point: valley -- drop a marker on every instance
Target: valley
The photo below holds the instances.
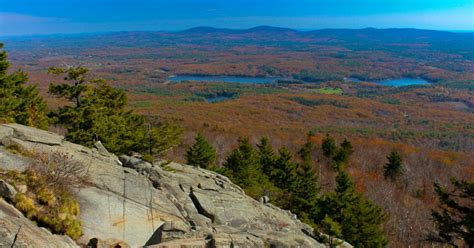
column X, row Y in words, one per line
column 407, row 90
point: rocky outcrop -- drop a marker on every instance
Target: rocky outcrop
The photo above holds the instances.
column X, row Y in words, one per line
column 18, row 231
column 7, row 191
column 162, row 204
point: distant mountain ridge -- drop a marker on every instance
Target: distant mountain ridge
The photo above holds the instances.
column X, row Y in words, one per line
column 273, row 29
column 392, row 39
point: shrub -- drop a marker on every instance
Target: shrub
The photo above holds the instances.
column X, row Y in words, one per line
column 49, row 201
column 26, row 205
column 58, row 170
column 16, row 149
column 46, row 196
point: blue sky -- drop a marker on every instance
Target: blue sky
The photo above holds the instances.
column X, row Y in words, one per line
column 27, row 17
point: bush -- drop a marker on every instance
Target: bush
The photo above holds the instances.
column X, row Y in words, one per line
column 59, row 170
column 51, row 180
column 26, row 205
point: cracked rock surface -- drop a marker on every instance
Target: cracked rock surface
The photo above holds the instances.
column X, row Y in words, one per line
column 161, row 204
column 18, row 231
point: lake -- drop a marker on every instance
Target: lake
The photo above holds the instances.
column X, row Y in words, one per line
column 225, row 79
column 266, row 80
column 394, row 82
column 403, row 82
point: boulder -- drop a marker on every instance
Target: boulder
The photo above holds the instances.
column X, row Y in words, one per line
column 135, row 163
column 22, row 188
column 5, row 132
column 264, row 199
column 98, row 243
column 101, row 148
column 35, row 135
column 7, row 191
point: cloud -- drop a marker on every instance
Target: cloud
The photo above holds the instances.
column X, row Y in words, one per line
column 20, row 24
column 15, row 18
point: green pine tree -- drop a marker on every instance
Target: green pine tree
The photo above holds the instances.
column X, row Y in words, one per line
column 160, row 138
column 97, row 112
column 306, row 152
column 201, row 153
column 341, row 156
column 243, row 163
column 328, row 146
column 266, row 156
column 19, row 103
column 244, row 168
column 346, row 145
column 283, row 176
column 331, row 229
column 455, row 217
column 305, row 189
column 283, row 173
column 361, row 220
column 394, row 167
column 77, row 76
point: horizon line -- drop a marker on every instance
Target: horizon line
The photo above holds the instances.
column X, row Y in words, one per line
column 223, row 28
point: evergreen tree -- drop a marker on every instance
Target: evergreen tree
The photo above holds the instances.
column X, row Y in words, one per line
column 98, row 112
column 306, row 152
column 347, row 147
column 283, row 176
column 331, row 230
column 361, row 220
column 328, row 146
column 283, row 173
column 243, row 163
column 266, row 156
column 243, row 167
column 305, row 189
column 19, row 103
column 75, row 75
column 394, row 167
column 201, row 153
column 161, row 138
column 455, row 218
column 341, row 155
column 344, row 183
column 305, row 186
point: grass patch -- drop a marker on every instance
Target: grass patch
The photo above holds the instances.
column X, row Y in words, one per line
column 49, row 199
column 17, row 149
column 328, row 91
column 141, row 104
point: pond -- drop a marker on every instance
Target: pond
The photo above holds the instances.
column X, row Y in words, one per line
column 403, row 82
column 393, row 82
column 225, row 79
column 266, row 80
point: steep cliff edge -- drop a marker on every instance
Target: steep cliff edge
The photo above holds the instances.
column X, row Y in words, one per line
column 159, row 205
